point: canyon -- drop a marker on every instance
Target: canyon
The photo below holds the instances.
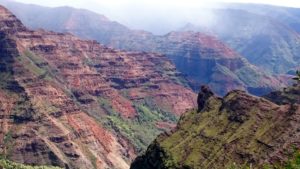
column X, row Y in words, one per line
column 75, row 103
column 202, row 57
column 80, row 91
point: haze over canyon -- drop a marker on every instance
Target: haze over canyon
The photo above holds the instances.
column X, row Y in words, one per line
column 216, row 87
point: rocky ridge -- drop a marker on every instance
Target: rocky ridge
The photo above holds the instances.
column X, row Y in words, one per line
column 238, row 129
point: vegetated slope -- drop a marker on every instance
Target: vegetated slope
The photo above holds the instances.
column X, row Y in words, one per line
column 238, row 129
column 5, row 164
column 265, row 41
column 203, row 59
column 75, row 103
column 290, row 95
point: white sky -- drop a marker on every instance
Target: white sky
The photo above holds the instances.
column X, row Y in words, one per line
column 114, row 3
column 172, row 13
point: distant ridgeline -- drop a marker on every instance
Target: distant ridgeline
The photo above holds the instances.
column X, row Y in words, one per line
column 240, row 51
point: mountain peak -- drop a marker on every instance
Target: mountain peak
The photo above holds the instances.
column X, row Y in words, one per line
column 9, row 22
column 205, row 43
column 4, row 10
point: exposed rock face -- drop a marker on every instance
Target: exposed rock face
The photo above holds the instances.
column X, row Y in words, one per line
column 71, row 103
column 202, row 58
column 239, row 128
column 203, row 96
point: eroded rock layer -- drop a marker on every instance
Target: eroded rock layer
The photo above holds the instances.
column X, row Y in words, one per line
column 78, row 104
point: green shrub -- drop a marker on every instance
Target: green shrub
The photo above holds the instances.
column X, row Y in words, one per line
column 293, row 163
column 5, row 164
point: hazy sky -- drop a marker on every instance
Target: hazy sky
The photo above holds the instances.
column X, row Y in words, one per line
column 172, row 13
column 114, row 3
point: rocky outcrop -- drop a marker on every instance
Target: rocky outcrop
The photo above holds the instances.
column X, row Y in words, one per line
column 75, row 103
column 204, row 94
column 238, row 129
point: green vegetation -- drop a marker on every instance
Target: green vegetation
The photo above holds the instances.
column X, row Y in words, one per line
column 235, row 166
column 249, row 76
column 30, row 64
column 293, row 163
column 8, row 137
column 5, row 164
column 36, row 65
column 23, row 111
column 132, row 130
column 5, row 78
column 210, row 138
column 187, row 143
column 147, row 117
column 8, row 144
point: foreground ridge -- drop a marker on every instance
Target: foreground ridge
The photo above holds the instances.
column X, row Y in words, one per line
column 237, row 129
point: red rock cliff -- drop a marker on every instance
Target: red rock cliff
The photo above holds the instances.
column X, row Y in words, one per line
column 60, row 97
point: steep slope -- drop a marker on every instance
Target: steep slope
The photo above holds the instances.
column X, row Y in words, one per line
column 203, row 59
column 77, row 104
column 237, row 129
column 265, row 41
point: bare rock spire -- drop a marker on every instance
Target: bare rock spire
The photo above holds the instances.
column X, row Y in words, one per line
column 204, row 94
